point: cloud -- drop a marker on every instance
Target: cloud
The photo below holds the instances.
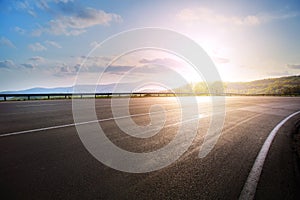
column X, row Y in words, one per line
column 37, row 47
column 94, row 63
column 137, row 71
column 66, row 70
column 7, row 64
column 97, row 58
column 293, row 66
column 63, row 1
column 42, row 4
column 37, row 59
column 159, row 65
column 29, row 65
column 25, row 6
column 10, row 64
column 118, row 69
column 151, row 69
column 211, row 16
column 78, row 22
column 53, row 44
column 19, row 30
column 159, row 61
column 6, row 42
column 32, row 13
column 168, row 62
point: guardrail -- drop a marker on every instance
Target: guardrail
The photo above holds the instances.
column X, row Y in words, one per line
column 5, row 97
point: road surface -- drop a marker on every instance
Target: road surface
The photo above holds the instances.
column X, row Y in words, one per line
column 42, row 156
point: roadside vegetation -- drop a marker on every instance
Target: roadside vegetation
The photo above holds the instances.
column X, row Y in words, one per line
column 283, row 86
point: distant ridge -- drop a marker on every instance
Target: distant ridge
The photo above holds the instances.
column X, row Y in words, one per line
column 105, row 88
column 40, row 90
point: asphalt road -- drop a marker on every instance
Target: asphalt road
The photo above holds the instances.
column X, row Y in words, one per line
column 46, row 159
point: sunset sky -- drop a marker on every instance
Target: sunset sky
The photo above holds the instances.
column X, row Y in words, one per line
column 43, row 42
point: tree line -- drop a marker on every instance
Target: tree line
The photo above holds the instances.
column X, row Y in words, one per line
column 273, row 86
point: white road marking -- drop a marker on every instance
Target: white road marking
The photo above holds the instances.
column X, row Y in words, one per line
column 35, row 105
column 102, row 120
column 77, row 124
column 59, row 109
column 248, row 192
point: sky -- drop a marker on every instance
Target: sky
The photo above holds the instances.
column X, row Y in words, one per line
column 44, row 43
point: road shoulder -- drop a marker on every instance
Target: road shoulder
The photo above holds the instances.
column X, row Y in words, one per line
column 280, row 177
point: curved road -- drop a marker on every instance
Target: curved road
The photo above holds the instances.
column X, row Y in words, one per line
column 42, row 156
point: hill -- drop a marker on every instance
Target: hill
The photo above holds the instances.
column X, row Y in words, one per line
column 104, row 88
column 279, row 86
column 273, row 86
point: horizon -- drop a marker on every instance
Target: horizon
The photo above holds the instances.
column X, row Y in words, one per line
column 40, row 40
column 153, row 88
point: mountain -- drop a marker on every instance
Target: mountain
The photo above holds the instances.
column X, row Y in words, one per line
column 104, row 88
column 39, row 90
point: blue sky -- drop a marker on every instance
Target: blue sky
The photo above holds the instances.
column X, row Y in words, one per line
column 43, row 42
